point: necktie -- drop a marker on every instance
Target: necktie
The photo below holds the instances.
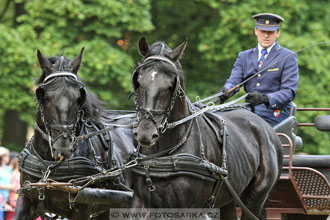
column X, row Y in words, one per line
column 262, row 58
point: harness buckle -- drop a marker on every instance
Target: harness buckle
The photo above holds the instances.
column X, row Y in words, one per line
column 46, row 174
column 131, row 163
column 148, row 179
column 152, row 188
column 163, row 126
column 41, row 197
column 211, row 202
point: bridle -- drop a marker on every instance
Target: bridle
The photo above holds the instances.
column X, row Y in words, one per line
column 148, row 113
column 65, row 130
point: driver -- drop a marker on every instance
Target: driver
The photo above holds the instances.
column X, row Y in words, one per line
column 272, row 90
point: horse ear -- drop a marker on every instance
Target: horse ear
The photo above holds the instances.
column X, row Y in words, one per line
column 44, row 63
column 177, row 53
column 75, row 64
column 143, row 47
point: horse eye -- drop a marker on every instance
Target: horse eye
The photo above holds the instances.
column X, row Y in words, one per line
column 170, row 88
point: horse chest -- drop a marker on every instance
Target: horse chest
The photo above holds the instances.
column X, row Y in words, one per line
column 179, row 192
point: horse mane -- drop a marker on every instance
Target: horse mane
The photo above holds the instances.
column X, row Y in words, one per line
column 94, row 108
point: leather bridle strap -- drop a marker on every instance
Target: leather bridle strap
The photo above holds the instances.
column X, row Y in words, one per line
column 162, row 58
column 170, row 150
column 149, row 113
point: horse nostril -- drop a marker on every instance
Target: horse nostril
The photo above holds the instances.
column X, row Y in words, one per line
column 135, row 134
column 155, row 136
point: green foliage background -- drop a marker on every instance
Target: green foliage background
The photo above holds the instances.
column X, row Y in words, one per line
column 109, row 30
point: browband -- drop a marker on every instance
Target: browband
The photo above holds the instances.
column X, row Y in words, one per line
column 162, row 59
column 57, row 74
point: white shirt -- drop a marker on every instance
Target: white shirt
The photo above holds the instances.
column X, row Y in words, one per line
column 268, row 50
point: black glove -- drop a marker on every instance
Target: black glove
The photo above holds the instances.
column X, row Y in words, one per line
column 257, row 98
column 225, row 95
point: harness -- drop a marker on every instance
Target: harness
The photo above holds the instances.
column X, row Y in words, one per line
column 166, row 164
column 74, row 175
column 78, row 171
column 31, row 163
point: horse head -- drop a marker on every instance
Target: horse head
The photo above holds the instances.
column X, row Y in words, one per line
column 157, row 82
column 60, row 95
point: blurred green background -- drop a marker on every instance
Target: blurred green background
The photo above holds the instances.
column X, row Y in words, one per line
column 110, row 29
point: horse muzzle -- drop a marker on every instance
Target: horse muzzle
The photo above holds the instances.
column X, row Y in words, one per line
column 146, row 134
column 63, row 149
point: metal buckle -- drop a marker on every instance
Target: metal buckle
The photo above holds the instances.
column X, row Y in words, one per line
column 163, row 126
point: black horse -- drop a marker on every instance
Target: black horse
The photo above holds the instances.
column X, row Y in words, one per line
column 178, row 146
column 67, row 110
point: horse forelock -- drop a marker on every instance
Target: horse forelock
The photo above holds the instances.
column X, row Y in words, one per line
column 162, row 49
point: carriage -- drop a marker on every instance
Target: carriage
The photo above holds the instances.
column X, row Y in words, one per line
column 303, row 191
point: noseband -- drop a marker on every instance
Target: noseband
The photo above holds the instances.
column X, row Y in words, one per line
column 66, row 130
column 147, row 113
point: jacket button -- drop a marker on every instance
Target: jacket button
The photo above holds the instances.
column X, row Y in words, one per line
column 259, row 75
column 258, row 84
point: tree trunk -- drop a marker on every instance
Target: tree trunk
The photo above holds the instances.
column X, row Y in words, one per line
column 14, row 131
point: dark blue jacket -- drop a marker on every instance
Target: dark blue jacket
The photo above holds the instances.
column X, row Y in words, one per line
column 279, row 81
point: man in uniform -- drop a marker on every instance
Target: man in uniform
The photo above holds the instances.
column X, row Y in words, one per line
column 272, row 90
